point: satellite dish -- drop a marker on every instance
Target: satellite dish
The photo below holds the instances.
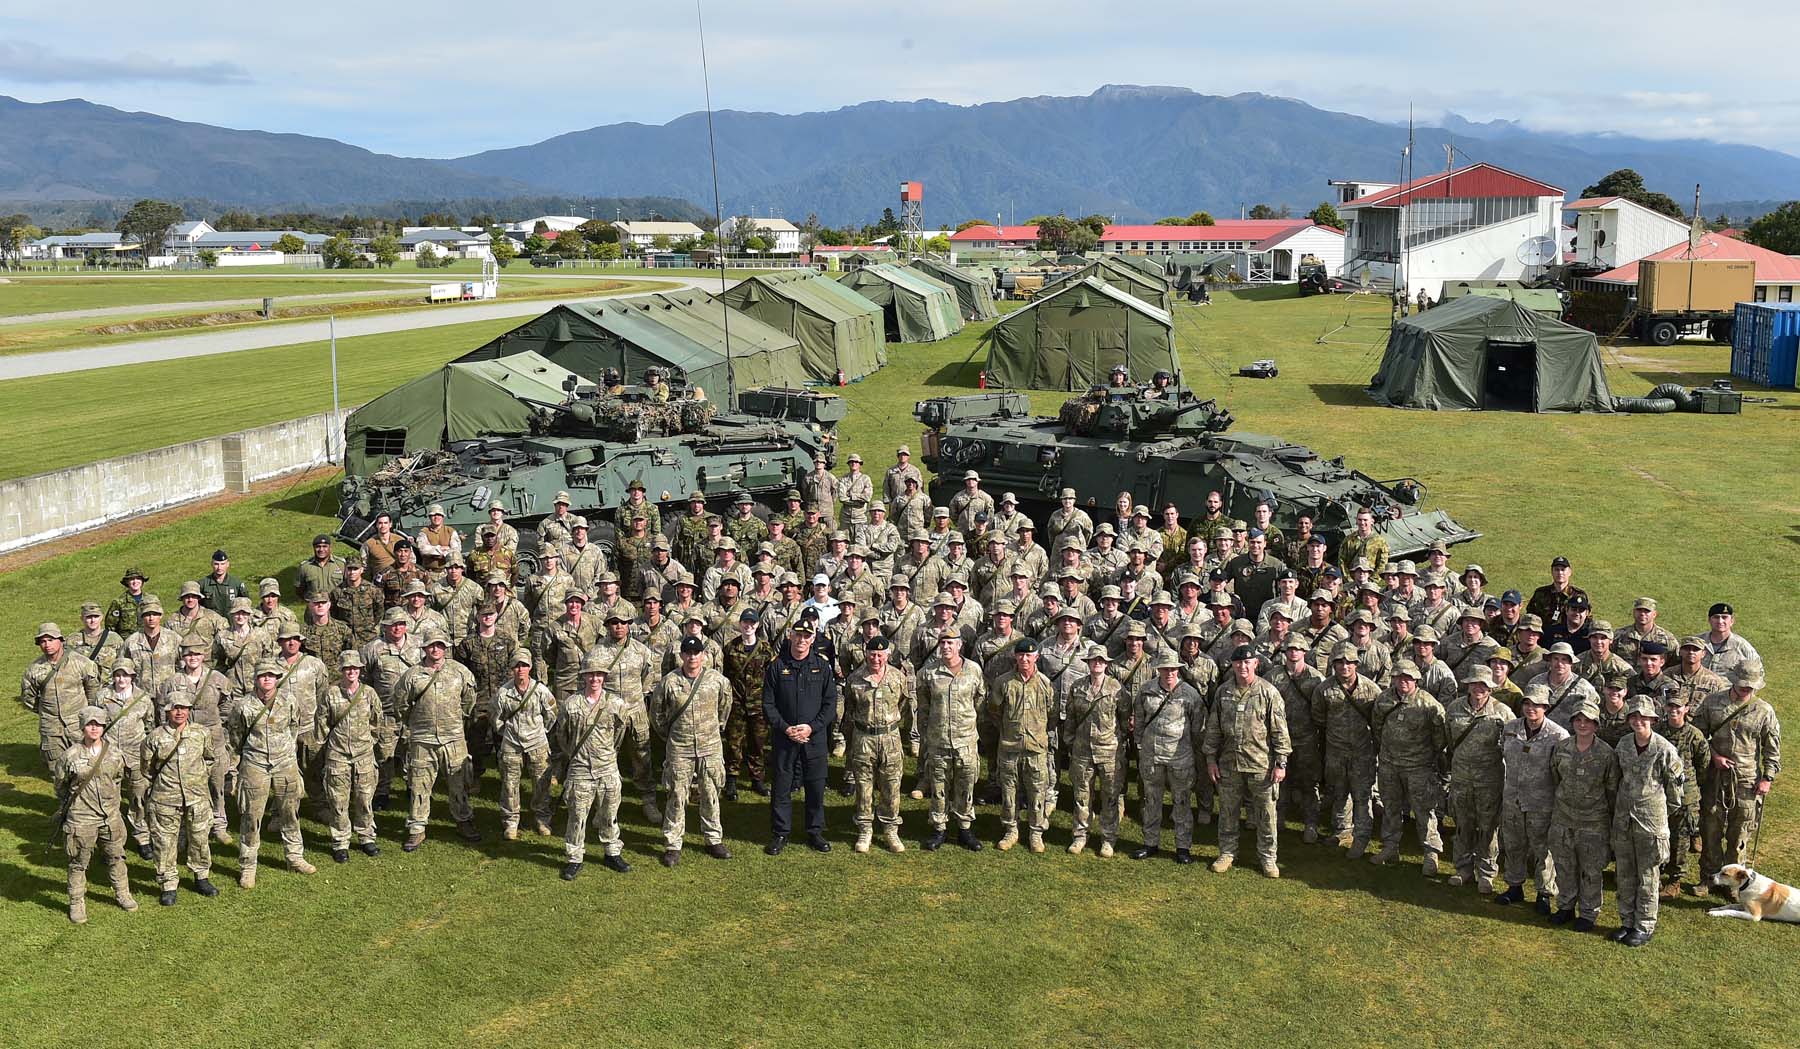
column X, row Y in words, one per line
column 1538, row 251
column 1696, row 233
column 1599, row 238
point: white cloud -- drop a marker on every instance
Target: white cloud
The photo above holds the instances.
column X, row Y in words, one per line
column 30, row 63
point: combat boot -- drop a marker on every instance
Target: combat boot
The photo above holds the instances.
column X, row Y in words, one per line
column 414, row 839
column 247, row 878
column 1035, row 842
column 1222, row 864
column 934, row 842
column 124, row 898
column 1270, row 870
column 1077, row 845
column 757, row 786
column 863, row 837
column 369, row 848
column 166, row 898
column 967, row 839
column 1670, row 891
column 205, row 887
column 1387, row 855
column 543, row 827
column 510, row 833
column 891, row 839
column 467, row 830
column 1513, row 894
column 616, row 863
column 1358, row 846
column 299, row 866
column 1310, row 835
column 652, row 813
column 1106, row 850
column 1431, row 864
column 1485, row 886
column 78, row 910
column 222, row 836
column 731, row 788
column 570, row 871
column 340, row 855
column 1455, row 880
column 1008, row 840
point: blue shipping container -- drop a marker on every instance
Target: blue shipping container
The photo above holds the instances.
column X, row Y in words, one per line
column 1765, row 342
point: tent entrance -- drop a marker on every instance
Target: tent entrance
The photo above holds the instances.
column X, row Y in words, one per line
column 1510, row 381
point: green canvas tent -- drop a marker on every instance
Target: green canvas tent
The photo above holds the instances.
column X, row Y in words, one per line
column 1547, row 301
column 1143, row 263
column 837, row 329
column 458, row 402
column 589, row 337
column 1478, row 352
column 1070, row 337
column 760, row 355
column 1110, row 269
column 974, row 288
column 914, row 308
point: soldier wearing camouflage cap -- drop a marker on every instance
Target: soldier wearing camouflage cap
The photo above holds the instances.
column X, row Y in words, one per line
column 130, row 715
column 1411, row 739
column 55, row 687
column 349, row 720
column 1586, row 773
column 178, row 756
column 525, row 710
column 264, row 727
column 432, row 700
column 1745, row 737
column 1344, row 703
column 87, row 781
column 153, row 648
column 1165, row 714
column 1649, row 788
column 1246, row 747
column 1475, row 723
column 1528, row 798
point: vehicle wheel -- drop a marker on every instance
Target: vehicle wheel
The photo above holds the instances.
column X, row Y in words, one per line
column 1663, row 333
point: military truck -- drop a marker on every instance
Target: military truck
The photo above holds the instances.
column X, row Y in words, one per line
column 1173, row 448
column 594, row 446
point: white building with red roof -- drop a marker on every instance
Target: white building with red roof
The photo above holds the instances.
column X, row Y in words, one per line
column 1267, row 249
column 1612, row 231
column 1470, row 223
column 1021, row 238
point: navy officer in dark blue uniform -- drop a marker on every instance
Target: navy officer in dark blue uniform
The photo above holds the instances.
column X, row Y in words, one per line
column 799, row 702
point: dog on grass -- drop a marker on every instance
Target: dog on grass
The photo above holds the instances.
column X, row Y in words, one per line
column 1758, row 897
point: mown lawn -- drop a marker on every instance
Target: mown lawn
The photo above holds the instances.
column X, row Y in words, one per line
column 483, row 944
column 24, row 295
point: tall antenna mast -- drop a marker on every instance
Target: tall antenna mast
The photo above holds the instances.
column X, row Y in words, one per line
column 712, row 150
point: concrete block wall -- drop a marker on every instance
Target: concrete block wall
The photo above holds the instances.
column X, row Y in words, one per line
column 52, row 505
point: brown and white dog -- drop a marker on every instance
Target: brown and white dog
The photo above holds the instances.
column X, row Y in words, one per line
column 1758, row 897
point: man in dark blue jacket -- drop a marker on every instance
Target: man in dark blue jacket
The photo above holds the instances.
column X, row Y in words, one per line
column 799, row 702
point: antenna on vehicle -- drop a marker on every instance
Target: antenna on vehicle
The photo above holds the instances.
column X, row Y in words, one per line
column 712, row 150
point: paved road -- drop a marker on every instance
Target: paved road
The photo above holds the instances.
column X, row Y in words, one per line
column 20, row 366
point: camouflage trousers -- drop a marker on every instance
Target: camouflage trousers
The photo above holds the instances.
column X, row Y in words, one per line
column 1525, row 848
column 591, row 798
column 1121, row 771
column 515, row 764
column 349, row 798
column 1175, row 778
column 681, row 773
column 1727, row 823
column 425, row 762
column 1022, row 776
column 746, row 740
column 1086, row 768
column 954, row 770
column 1239, row 791
column 876, row 760
column 53, row 745
column 1350, row 782
column 1300, row 790
column 258, row 788
column 1475, row 806
column 1638, row 858
column 132, row 789
column 635, row 741
column 1411, row 791
column 1684, row 823
column 215, row 775
column 81, row 842
column 167, row 825
column 1580, row 854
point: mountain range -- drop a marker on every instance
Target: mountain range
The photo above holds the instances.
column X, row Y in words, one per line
column 1136, row 153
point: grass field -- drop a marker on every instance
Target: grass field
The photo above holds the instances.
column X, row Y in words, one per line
column 482, row 944
column 26, row 295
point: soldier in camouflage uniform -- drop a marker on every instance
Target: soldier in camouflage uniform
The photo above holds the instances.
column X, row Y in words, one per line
column 1020, row 704
column 1684, row 819
column 745, row 657
column 952, row 693
column 55, row 688
column 1586, row 774
column 87, row 789
column 485, row 653
column 323, row 636
column 560, row 644
column 1090, row 714
column 589, row 729
column 1343, row 706
column 631, row 673
column 1528, row 799
column 690, row 708
column 208, row 696
column 1475, row 725
column 636, row 503
column 1246, row 747
column 263, row 725
column 1296, row 680
column 153, row 649
column 693, row 541
column 96, row 641
column 178, row 757
column 122, row 613
column 1363, row 543
column 633, row 553
column 1649, row 789
column 191, row 618
column 814, row 539
column 744, row 527
column 875, row 694
column 1164, row 716
column 432, row 700
column 348, row 721
column 1745, row 739
column 455, row 596
column 386, row 660
column 526, row 712
column 130, row 715
column 357, row 603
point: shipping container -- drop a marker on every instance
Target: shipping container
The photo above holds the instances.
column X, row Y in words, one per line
column 1694, row 285
column 1765, row 342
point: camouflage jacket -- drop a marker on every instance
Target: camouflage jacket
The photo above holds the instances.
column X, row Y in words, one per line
column 1585, row 784
column 178, row 762
column 359, row 608
column 1528, row 784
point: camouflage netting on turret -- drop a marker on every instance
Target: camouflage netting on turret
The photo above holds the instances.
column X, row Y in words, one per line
column 633, row 421
column 1080, row 416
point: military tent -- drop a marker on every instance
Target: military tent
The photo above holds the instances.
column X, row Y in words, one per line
column 458, row 402
column 1477, row 353
column 1547, row 301
column 914, row 308
column 974, row 288
column 1070, row 337
column 631, row 334
column 1129, row 278
column 837, row 329
column 760, row 355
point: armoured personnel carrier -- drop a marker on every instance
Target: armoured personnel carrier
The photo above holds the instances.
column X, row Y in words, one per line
column 594, row 447
column 1173, row 448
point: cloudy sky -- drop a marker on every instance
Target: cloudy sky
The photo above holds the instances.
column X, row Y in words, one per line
column 452, row 77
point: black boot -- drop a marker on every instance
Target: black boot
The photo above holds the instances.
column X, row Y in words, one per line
column 1183, row 856
column 369, row 848
column 1513, row 894
column 1583, row 925
column 570, row 870
column 1543, row 905
column 967, row 839
column 1144, row 852
column 340, row 855
column 730, row 788
column 205, row 887
column 1637, row 938
column 935, row 842
column 758, row 786
column 615, row 863
column 775, row 845
column 1563, row 917
column 167, row 899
